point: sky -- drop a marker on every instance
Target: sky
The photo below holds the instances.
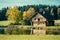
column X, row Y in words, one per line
column 11, row 3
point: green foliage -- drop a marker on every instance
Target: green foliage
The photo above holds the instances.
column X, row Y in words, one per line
column 53, row 30
column 1, row 31
column 22, row 29
column 11, row 30
column 16, row 30
column 58, row 11
column 51, row 12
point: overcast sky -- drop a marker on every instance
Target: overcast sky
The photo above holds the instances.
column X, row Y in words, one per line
column 11, row 3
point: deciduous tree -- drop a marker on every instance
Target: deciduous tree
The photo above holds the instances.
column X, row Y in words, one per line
column 14, row 15
column 29, row 13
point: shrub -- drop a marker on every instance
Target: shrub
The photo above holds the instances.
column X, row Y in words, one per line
column 16, row 30
column 52, row 30
column 1, row 31
column 27, row 31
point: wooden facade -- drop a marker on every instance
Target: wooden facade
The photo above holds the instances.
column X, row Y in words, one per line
column 39, row 22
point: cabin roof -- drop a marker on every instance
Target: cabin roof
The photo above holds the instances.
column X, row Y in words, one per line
column 34, row 15
column 48, row 17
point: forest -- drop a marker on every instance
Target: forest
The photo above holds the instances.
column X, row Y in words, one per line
column 50, row 12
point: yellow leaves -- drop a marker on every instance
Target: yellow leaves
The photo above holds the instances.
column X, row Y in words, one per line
column 31, row 10
column 15, row 8
column 27, row 14
column 24, row 14
column 13, row 14
column 8, row 11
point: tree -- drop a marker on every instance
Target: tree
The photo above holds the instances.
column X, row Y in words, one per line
column 58, row 13
column 29, row 13
column 47, row 8
column 2, row 14
column 51, row 12
column 13, row 14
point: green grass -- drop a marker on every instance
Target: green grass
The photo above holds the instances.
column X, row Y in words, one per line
column 4, row 23
column 29, row 37
column 57, row 22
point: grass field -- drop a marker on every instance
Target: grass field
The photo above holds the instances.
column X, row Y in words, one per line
column 57, row 22
column 4, row 23
column 29, row 37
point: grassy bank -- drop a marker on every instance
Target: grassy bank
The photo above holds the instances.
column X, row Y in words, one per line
column 29, row 37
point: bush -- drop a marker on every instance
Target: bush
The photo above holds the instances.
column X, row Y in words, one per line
column 11, row 30
column 27, row 31
column 1, row 31
column 52, row 30
column 15, row 24
column 16, row 30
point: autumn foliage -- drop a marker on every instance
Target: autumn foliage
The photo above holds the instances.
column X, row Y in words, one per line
column 29, row 13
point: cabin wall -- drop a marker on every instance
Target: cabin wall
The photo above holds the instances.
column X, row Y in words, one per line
column 39, row 21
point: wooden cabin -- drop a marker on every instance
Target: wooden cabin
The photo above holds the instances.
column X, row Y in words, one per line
column 39, row 24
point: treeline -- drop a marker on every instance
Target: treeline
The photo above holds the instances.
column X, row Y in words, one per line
column 49, row 12
column 2, row 14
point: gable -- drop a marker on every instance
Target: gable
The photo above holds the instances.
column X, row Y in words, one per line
column 38, row 15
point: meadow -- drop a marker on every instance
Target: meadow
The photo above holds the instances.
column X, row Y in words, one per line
column 29, row 37
column 5, row 22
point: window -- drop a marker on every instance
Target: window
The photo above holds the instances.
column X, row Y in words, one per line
column 38, row 19
column 35, row 19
